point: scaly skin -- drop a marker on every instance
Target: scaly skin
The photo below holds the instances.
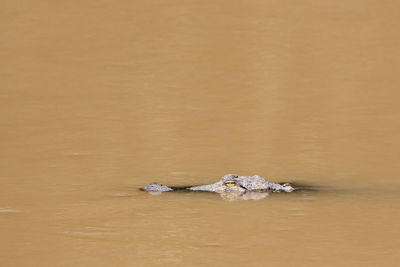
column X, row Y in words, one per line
column 230, row 183
column 235, row 183
column 157, row 187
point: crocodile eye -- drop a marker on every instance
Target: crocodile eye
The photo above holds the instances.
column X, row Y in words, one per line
column 230, row 183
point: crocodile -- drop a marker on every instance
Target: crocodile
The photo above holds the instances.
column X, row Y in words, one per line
column 230, row 187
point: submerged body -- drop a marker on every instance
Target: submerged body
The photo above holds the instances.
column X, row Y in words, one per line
column 230, row 183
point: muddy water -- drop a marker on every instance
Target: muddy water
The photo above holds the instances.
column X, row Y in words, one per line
column 99, row 98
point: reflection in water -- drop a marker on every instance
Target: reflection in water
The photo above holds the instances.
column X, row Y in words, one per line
column 230, row 196
column 234, row 195
column 244, row 196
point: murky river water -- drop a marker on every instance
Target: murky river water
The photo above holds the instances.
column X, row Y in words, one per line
column 99, row 98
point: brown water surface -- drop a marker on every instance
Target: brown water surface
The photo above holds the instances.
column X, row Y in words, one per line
column 99, row 98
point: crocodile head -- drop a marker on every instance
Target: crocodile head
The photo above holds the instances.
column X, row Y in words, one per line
column 236, row 183
column 228, row 183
